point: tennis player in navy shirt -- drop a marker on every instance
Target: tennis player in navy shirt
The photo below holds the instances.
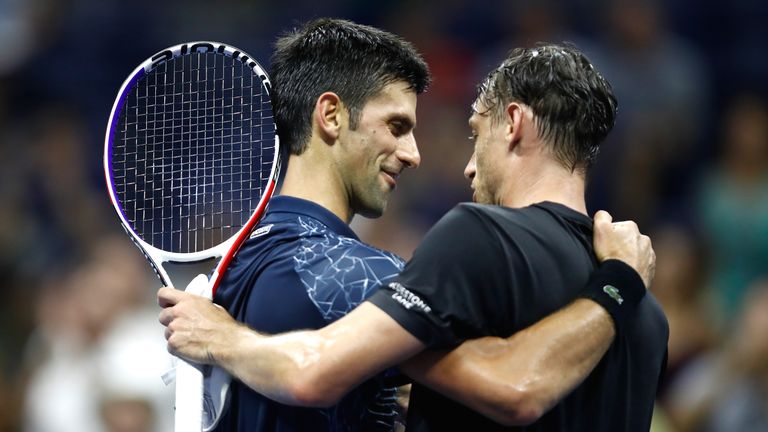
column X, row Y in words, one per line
column 305, row 268
column 344, row 101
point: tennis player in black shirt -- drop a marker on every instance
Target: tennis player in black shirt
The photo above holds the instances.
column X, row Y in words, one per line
column 511, row 268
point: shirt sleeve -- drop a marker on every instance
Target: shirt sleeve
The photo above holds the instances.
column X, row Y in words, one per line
column 339, row 273
column 451, row 283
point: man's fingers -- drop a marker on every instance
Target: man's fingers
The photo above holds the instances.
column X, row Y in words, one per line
column 652, row 263
column 633, row 226
column 627, row 225
column 167, row 296
column 623, row 241
column 166, row 316
column 646, row 241
column 602, row 217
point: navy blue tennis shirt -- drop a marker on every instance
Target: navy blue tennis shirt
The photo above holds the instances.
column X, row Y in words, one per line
column 303, row 268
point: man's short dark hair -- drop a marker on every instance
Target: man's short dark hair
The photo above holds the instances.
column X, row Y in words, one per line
column 331, row 55
column 573, row 105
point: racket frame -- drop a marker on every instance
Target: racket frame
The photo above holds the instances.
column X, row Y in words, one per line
column 227, row 249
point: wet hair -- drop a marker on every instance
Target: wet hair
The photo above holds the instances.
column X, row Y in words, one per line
column 331, row 55
column 573, row 105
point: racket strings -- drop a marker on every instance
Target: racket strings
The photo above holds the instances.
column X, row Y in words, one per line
column 192, row 157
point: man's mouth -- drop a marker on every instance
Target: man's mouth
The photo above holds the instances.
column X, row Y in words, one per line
column 391, row 177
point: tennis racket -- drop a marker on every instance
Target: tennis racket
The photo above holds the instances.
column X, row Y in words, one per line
column 191, row 159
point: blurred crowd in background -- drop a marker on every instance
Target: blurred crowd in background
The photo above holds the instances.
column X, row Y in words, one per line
column 81, row 349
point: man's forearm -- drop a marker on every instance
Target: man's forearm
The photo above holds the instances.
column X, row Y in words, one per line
column 516, row 380
column 315, row 368
column 283, row 368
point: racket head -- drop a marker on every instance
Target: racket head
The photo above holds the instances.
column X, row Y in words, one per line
column 191, row 152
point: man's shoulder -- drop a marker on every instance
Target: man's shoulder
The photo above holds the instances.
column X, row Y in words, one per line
column 317, row 241
column 337, row 271
column 490, row 218
column 544, row 220
column 477, row 211
column 327, row 255
column 337, row 281
column 525, row 214
column 311, row 244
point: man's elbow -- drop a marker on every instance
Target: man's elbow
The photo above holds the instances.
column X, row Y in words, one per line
column 519, row 416
column 313, row 393
column 517, row 407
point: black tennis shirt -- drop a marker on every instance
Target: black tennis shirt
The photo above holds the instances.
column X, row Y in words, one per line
column 488, row 270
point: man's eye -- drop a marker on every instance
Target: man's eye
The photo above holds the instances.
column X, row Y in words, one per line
column 400, row 128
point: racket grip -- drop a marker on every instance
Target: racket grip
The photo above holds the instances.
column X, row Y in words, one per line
column 200, row 286
column 189, row 398
column 189, row 379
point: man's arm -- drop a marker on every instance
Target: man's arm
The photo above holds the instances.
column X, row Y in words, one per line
column 316, row 368
column 305, row 368
column 516, row 380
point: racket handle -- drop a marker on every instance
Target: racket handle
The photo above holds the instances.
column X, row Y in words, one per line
column 189, row 398
column 189, row 379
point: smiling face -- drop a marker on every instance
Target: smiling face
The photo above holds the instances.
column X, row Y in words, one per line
column 485, row 166
column 377, row 151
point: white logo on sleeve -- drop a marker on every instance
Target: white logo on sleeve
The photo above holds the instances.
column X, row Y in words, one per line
column 261, row 231
column 407, row 298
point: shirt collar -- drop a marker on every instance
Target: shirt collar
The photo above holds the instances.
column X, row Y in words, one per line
column 289, row 204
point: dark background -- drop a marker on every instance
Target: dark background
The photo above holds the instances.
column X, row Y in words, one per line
column 688, row 160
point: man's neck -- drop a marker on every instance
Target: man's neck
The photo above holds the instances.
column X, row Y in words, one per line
column 548, row 181
column 313, row 180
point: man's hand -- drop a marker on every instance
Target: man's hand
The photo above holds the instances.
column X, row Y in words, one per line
column 623, row 241
column 195, row 328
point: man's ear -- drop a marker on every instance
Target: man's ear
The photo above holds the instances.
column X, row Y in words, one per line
column 513, row 119
column 328, row 116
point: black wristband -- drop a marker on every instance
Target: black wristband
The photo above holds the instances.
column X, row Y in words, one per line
column 616, row 287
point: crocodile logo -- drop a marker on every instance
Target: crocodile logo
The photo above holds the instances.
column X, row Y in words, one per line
column 614, row 293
